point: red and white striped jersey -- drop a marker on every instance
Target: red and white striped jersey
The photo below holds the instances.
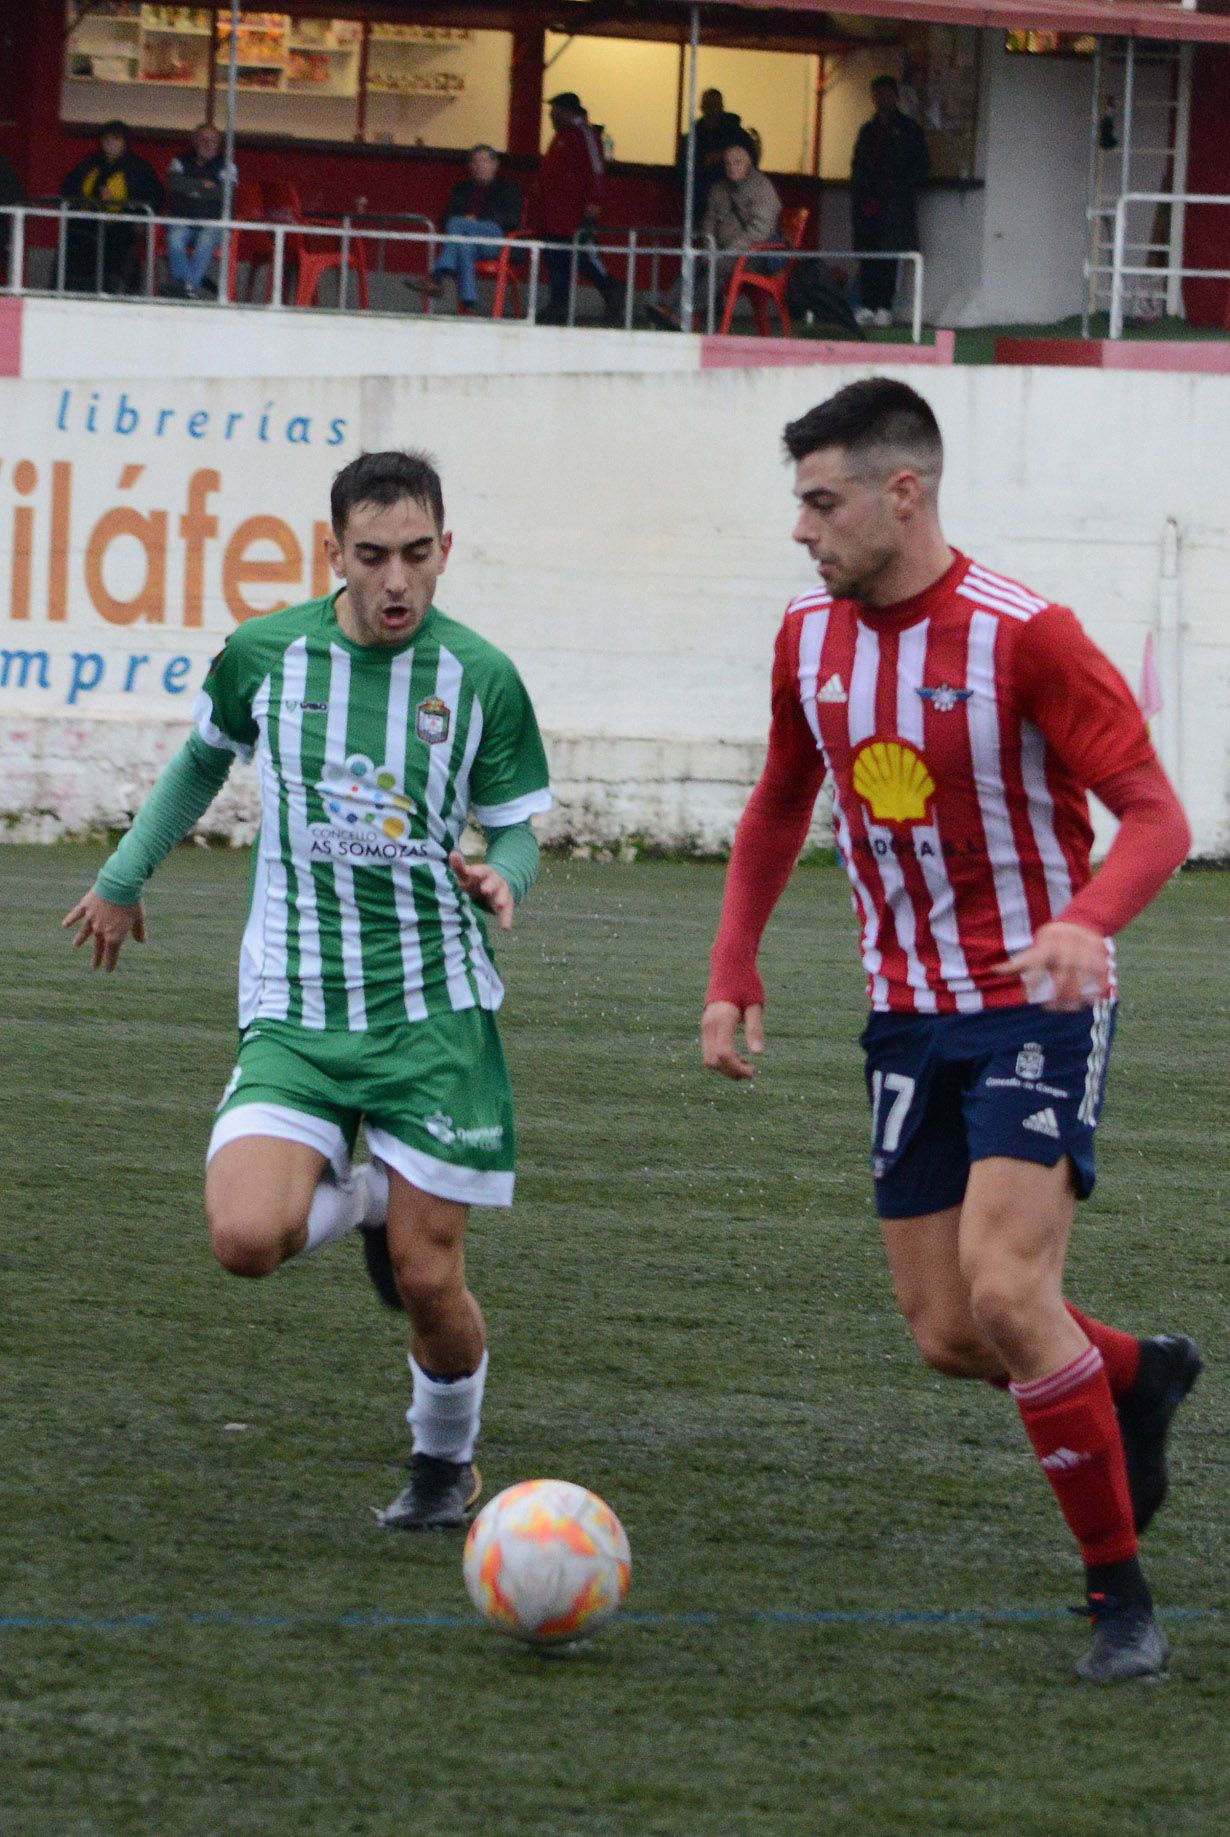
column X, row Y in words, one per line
column 961, row 729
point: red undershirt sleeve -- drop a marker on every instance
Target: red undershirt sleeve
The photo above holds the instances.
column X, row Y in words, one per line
column 767, row 843
column 1088, row 715
column 1153, row 840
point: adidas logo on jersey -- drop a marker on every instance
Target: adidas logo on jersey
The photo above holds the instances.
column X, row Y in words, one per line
column 833, row 690
column 1043, row 1122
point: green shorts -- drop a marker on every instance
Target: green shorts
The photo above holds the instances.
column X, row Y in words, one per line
column 433, row 1097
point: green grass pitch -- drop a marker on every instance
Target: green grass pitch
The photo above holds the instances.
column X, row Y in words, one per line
column 204, row 1634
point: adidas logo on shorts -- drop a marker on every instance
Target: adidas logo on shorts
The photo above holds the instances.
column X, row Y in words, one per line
column 1043, row 1122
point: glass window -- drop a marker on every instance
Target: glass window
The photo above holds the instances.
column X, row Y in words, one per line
column 847, row 104
column 1051, row 44
column 148, row 65
column 298, row 74
column 630, row 88
column 774, row 95
column 438, row 86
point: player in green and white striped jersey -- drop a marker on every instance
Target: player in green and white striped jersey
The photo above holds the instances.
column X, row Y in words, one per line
column 367, row 987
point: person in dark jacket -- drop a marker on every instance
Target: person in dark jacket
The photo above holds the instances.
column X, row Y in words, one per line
column 716, row 129
column 483, row 203
column 890, row 162
column 196, row 180
column 112, row 181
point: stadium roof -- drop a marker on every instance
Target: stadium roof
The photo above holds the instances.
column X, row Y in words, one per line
column 838, row 21
column 1154, row 19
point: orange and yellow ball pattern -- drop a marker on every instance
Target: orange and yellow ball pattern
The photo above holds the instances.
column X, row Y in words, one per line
column 547, row 1561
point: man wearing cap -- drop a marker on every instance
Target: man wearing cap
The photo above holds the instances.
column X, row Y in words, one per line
column 565, row 199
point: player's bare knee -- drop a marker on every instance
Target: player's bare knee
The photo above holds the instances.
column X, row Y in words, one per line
column 949, row 1350
column 1004, row 1308
column 428, row 1288
column 248, row 1246
column 242, row 1256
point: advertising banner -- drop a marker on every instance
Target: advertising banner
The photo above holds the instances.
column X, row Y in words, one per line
column 140, row 523
column 626, row 539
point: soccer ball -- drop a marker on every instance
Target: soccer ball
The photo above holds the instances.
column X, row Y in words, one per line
column 547, row 1562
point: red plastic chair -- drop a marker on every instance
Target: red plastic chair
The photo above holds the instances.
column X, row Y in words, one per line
column 507, row 271
column 305, row 254
column 250, row 246
column 765, row 287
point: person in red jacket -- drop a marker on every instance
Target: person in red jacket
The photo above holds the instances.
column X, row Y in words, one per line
column 961, row 719
column 565, row 198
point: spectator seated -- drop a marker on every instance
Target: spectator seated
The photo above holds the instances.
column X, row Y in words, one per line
column 762, row 287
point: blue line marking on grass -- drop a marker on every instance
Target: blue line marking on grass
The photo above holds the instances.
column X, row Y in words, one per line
column 377, row 1620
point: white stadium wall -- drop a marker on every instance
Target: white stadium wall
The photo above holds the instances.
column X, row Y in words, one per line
column 625, row 536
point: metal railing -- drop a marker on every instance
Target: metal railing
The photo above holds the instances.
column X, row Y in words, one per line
column 135, row 218
column 1149, row 289
column 274, row 243
column 637, row 244
column 1122, row 271
column 277, row 244
column 914, row 261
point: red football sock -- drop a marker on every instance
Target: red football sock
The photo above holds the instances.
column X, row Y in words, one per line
column 1070, row 1419
column 1120, row 1351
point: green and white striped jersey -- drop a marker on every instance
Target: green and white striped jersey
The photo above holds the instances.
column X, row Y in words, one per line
column 369, row 760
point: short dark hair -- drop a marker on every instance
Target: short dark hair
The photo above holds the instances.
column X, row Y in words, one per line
column 885, row 82
column 117, row 129
column 481, row 146
column 876, row 421
column 386, row 478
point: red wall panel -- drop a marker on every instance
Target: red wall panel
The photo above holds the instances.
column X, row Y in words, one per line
column 1207, row 238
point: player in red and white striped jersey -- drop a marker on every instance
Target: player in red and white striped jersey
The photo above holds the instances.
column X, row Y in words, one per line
column 962, row 718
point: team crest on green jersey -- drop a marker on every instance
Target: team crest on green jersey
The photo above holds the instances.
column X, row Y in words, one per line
column 432, row 719
column 369, row 816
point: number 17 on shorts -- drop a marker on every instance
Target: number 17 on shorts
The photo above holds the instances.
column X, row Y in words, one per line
column 892, row 1093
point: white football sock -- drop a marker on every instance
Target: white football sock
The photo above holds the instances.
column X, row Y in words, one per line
column 444, row 1415
column 337, row 1207
column 373, row 1177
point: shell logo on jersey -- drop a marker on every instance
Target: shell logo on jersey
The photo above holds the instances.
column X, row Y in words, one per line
column 893, row 781
column 431, row 720
column 369, row 816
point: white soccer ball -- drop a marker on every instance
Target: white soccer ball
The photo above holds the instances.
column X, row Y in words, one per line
column 547, row 1562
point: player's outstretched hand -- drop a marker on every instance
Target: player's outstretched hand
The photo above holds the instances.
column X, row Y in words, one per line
column 719, row 1034
column 107, row 925
column 485, row 885
column 1074, row 959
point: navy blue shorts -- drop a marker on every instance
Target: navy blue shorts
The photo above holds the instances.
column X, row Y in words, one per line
column 950, row 1089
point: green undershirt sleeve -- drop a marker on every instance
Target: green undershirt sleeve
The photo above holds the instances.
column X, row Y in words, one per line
column 513, row 852
column 185, row 788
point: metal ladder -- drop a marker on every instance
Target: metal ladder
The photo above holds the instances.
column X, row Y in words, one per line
column 1138, row 141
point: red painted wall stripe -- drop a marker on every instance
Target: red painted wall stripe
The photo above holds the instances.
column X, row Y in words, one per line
column 1211, row 356
column 10, row 337
column 717, row 353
